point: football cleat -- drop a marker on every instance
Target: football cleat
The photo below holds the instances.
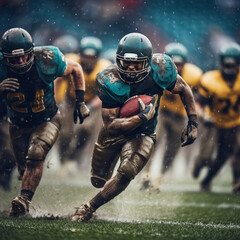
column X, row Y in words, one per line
column 84, row 213
column 205, row 187
column 20, row 206
column 236, row 188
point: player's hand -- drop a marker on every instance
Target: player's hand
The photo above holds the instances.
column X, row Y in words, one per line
column 9, row 85
column 146, row 111
column 81, row 111
column 189, row 134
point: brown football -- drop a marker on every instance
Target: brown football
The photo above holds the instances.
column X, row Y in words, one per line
column 131, row 106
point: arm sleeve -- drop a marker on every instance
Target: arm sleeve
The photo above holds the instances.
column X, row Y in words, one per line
column 107, row 97
column 50, row 62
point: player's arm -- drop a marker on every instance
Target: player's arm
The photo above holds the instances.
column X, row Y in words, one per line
column 76, row 70
column 189, row 134
column 119, row 126
column 81, row 111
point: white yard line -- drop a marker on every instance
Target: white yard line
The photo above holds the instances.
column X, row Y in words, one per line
column 198, row 224
column 179, row 204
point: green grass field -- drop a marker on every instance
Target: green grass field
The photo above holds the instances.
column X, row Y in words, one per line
column 179, row 211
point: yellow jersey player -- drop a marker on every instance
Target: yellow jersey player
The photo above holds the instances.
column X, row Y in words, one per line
column 172, row 110
column 89, row 58
column 220, row 92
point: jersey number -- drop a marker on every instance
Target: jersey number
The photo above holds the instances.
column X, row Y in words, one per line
column 226, row 105
column 37, row 105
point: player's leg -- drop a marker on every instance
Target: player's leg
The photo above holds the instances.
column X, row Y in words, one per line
column 236, row 164
column 134, row 155
column 66, row 135
column 207, row 145
column 105, row 155
column 173, row 126
column 226, row 142
column 41, row 140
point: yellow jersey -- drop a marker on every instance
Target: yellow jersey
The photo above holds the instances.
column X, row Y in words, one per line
column 66, row 84
column 172, row 102
column 225, row 101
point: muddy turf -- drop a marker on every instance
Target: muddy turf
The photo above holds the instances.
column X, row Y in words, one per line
column 178, row 211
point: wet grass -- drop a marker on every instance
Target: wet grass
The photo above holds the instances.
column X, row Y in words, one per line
column 169, row 214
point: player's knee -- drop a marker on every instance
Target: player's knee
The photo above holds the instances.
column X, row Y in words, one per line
column 128, row 169
column 97, row 181
column 38, row 150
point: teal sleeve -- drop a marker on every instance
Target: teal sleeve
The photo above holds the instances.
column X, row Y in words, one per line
column 61, row 63
column 111, row 94
column 164, row 71
column 50, row 63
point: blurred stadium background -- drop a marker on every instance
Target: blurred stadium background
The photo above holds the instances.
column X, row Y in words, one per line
column 203, row 26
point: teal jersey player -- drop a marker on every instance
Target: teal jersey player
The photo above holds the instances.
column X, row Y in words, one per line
column 27, row 74
column 131, row 139
column 114, row 92
column 34, row 101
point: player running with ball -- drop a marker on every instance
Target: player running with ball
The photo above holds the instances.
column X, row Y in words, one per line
column 137, row 72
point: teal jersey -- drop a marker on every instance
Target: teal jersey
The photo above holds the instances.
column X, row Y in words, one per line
column 34, row 101
column 114, row 92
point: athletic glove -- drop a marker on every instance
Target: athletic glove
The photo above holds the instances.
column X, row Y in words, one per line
column 189, row 134
column 81, row 111
column 146, row 111
column 9, row 85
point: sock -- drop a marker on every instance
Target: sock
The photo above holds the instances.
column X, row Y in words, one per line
column 27, row 194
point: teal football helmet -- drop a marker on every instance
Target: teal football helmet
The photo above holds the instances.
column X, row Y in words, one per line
column 230, row 53
column 17, row 42
column 90, row 46
column 67, row 44
column 177, row 52
column 134, row 48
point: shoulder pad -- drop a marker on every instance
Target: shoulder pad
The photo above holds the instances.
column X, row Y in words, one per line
column 210, row 83
column 50, row 61
column 73, row 56
column 210, row 78
column 164, row 70
column 191, row 74
column 111, row 90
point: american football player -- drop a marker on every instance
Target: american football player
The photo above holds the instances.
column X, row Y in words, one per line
column 220, row 92
column 172, row 111
column 137, row 71
column 26, row 82
column 85, row 135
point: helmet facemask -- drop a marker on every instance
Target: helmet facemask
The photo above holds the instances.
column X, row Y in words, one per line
column 141, row 64
column 229, row 68
column 19, row 68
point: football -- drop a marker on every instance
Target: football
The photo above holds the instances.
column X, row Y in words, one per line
column 131, row 106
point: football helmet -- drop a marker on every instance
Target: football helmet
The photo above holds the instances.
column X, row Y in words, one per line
column 134, row 48
column 67, row 44
column 15, row 43
column 230, row 53
column 230, row 60
column 177, row 52
column 90, row 46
